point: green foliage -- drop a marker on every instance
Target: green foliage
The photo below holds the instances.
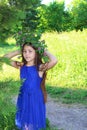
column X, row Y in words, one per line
column 24, row 27
column 54, row 16
column 51, row 16
column 7, row 121
column 23, row 5
column 78, row 10
column 4, row 60
column 7, row 21
column 30, row 22
column 43, row 26
column 67, row 21
column 68, row 95
column 34, row 39
column 12, row 13
column 29, row 33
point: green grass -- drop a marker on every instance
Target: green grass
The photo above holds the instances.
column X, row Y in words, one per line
column 68, row 95
column 71, row 51
column 70, row 74
column 67, row 81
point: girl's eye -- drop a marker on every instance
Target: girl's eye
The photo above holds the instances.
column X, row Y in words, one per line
column 24, row 51
column 30, row 51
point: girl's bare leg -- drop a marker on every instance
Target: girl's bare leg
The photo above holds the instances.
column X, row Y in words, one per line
column 26, row 128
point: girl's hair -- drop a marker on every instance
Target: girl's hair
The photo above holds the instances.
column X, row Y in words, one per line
column 38, row 61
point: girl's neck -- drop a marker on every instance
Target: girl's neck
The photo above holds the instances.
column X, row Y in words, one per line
column 30, row 64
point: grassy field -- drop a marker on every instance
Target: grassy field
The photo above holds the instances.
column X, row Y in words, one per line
column 67, row 81
column 71, row 51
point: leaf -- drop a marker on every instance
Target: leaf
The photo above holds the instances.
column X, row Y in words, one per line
column 4, row 60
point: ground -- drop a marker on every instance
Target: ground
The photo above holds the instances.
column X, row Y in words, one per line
column 65, row 116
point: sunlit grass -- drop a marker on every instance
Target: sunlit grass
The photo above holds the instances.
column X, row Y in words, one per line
column 71, row 51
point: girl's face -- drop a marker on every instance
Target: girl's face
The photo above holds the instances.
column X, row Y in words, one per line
column 29, row 53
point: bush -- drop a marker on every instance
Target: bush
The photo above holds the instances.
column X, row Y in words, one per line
column 7, row 122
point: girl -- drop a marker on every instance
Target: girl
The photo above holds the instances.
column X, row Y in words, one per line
column 31, row 108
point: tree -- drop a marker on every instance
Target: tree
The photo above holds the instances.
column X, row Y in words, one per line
column 12, row 13
column 9, row 18
column 43, row 25
column 54, row 15
column 67, row 21
column 26, row 30
column 78, row 10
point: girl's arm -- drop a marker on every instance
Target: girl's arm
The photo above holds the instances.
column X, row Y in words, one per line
column 43, row 67
column 10, row 55
column 52, row 61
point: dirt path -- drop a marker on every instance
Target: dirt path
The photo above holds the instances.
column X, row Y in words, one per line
column 65, row 117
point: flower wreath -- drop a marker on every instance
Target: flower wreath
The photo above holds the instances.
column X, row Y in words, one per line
column 22, row 38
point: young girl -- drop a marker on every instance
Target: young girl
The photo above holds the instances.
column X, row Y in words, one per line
column 31, row 108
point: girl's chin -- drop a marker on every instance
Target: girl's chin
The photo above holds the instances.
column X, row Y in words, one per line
column 28, row 60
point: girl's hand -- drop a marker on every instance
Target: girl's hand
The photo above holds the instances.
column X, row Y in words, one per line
column 43, row 67
column 16, row 64
column 48, row 65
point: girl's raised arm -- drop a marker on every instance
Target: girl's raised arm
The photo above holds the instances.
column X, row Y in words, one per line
column 52, row 61
column 10, row 55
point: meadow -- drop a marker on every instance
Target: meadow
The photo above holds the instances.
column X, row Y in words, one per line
column 67, row 81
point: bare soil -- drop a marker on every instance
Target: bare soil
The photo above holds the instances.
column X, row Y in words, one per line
column 65, row 116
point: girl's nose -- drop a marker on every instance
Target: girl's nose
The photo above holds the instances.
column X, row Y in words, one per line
column 27, row 53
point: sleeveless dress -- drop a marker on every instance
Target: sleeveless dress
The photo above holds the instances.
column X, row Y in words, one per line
column 31, row 109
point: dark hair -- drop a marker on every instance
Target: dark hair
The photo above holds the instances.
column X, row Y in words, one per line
column 38, row 61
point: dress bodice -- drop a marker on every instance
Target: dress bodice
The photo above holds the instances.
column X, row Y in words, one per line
column 30, row 78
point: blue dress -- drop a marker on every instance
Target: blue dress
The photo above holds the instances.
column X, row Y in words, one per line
column 31, row 109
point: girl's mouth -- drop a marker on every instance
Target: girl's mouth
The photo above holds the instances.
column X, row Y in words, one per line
column 27, row 57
